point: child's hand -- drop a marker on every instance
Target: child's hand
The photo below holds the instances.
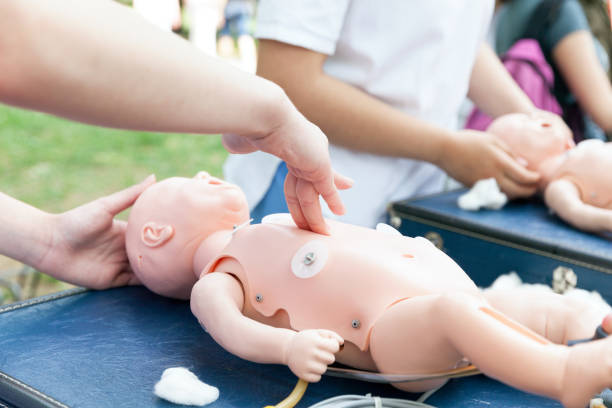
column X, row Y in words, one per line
column 311, row 351
column 304, row 148
column 474, row 155
column 87, row 245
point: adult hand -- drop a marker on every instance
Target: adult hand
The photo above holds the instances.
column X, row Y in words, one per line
column 304, row 148
column 311, row 351
column 474, row 155
column 87, row 245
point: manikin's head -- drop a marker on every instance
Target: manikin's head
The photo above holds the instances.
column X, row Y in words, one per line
column 534, row 137
column 168, row 223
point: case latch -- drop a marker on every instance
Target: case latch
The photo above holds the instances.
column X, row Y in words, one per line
column 563, row 279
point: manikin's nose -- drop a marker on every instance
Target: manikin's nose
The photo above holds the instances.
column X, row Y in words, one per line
column 204, row 176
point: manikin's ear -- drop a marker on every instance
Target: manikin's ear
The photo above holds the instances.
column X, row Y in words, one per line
column 155, row 234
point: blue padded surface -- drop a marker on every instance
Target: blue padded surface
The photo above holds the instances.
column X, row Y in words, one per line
column 108, row 348
column 522, row 222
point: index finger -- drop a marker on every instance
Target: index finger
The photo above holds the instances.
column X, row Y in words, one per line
column 292, row 201
column 311, row 207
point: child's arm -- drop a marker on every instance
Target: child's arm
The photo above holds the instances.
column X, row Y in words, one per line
column 217, row 300
column 563, row 197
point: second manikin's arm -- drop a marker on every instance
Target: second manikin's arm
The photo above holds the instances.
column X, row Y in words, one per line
column 217, row 301
column 563, row 197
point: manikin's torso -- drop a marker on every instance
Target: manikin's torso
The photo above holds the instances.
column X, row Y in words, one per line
column 589, row 167
column 342, row 282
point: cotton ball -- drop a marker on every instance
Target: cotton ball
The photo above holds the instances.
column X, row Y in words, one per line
column 181, row 386
column 484, row 194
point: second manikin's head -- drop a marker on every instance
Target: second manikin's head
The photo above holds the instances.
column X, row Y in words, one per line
column 168, row 223
column 533, row 138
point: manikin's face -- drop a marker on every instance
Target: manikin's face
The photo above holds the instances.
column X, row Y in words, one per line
column 533, row 138
column 170, row 220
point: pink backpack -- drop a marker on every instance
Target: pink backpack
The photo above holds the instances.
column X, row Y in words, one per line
column 527, row 65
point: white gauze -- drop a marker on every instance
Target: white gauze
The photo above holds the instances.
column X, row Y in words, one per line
column 181, row 386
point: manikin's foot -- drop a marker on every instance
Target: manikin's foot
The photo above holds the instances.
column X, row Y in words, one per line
column 602, row 331
column 589, row 368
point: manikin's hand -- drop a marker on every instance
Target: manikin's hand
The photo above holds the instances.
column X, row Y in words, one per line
column 311, row 351
column 475, row 155
column 304, row 148
column 87, row 245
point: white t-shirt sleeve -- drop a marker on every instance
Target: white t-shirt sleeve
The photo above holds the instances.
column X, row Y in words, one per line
column 312, row 24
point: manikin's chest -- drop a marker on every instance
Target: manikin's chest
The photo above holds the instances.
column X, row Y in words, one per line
column 341, row 282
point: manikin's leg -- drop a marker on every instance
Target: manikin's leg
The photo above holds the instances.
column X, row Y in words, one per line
column 556, row 317
column 431, row 333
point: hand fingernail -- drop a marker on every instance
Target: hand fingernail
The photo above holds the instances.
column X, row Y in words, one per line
column 149, row 178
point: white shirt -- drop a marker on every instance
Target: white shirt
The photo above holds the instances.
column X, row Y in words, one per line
column 415, row 55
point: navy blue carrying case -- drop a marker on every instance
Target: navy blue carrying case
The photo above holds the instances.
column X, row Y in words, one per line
column 107, row 349
column 524, row 237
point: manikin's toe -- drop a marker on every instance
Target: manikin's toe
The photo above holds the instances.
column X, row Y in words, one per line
column 606, row 324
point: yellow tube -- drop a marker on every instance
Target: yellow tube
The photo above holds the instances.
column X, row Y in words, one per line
column 293, row 398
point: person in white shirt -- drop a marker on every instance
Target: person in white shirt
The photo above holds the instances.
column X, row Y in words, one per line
column 385, row 82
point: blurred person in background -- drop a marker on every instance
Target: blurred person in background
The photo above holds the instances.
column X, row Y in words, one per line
column 385, row 83
column 235, row 37
column 165, row 14
column 579, row 61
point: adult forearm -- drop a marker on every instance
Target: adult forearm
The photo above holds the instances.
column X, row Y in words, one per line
column 351, row 118
column 577, row 60
column 357, row 120
column 24, row 232
column 100, row 63
column 492, row 88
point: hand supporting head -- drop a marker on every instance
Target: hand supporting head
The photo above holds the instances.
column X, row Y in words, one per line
column 533, row 137
column 168, row 223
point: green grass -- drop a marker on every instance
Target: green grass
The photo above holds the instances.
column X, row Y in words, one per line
column 56, row 165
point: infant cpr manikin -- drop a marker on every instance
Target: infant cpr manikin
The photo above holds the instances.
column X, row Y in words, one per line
column 576, row 180
column 273, row 293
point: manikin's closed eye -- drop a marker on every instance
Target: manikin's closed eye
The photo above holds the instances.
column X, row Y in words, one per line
column 310, row 259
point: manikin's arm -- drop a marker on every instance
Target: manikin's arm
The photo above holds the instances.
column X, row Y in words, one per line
column 84, row 246
column 217, row 301
column 562, row 196
column 359, row 121
column 577, row 60
column 99, row 62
